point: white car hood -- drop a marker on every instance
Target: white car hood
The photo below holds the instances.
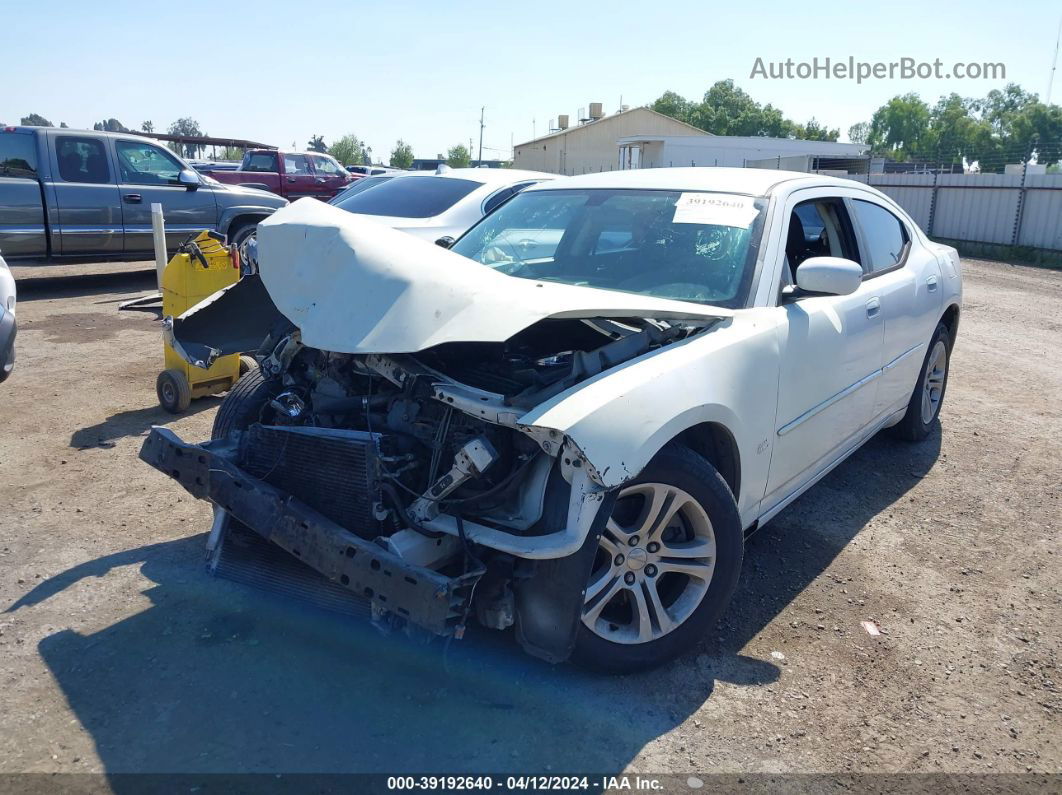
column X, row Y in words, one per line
column 353, row 285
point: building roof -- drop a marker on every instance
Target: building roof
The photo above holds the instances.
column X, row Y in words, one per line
column 616, row 115
column 748, row 181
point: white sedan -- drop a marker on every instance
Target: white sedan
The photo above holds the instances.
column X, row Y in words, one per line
column 570, row 420
column 436, row 204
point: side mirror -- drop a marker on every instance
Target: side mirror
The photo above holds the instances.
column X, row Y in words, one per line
column 445, row 241
column 189, row 179
column 829, row 276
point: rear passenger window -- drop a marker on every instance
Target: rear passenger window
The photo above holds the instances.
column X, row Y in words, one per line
column 82, row 159
column 886, row 238
column 18, row 156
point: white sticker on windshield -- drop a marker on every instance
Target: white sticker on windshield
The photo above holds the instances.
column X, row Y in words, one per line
column 716, row 209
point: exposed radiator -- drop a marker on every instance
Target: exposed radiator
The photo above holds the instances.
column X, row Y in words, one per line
column 334, row 472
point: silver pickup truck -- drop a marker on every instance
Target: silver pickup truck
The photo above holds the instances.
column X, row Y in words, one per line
column 75, row 193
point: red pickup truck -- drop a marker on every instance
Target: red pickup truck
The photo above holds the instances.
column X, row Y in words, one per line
column 289, row 174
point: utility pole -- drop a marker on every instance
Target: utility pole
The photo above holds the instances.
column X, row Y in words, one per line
column 481, row 111
column 1054, row 63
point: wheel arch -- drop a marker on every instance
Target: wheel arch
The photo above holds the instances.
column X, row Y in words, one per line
column 714, row 442
column 950, row 319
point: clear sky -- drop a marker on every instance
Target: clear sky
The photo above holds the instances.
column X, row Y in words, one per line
column 281, row 72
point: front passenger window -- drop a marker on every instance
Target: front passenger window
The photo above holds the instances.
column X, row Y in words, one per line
column 817, row 228
column 144, row 164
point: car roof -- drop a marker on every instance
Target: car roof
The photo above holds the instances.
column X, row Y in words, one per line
column 494, row 176
column 749, row 181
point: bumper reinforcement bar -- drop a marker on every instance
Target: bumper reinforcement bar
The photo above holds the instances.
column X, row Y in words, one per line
column 424, row 597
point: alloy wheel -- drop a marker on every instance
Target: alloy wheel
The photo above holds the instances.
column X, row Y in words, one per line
column 653, row 566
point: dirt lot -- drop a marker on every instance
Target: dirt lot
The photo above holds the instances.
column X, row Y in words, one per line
column 118, row 653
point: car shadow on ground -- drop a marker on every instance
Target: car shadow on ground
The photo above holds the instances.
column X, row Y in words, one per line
column 47, row 287
column 218, row 677
column 135, row 422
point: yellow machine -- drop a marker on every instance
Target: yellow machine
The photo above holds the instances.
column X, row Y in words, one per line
column 199, row 269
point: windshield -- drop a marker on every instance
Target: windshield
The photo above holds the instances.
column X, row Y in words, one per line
column 356, row 188
column 690, row 246
column 409, row 197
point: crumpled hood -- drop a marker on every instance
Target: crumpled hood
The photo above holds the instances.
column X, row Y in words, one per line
column 352, row 285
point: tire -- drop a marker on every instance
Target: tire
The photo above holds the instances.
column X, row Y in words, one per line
column 923, row 409
column 238, row 235
column 626, row 563
column 173, row 390
column 247, row 364
column 245, row 404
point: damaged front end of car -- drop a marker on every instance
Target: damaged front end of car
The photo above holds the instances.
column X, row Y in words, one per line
column 406, row 475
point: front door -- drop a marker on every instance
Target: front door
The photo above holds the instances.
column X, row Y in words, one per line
column 298, row 177
column 147, row 175
column 831, row 351
column 89, row 210
column 329, row 178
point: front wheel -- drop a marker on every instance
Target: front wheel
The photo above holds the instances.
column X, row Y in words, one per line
column 666, row 568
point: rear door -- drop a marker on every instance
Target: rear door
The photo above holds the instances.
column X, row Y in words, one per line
column 329, row 178
column 89, row 209
column 298, row 178
column 907, row 277
column 22, row 228
column 148, row 174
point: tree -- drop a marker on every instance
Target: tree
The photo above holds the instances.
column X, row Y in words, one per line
column 458, row 157
column 110, row 125
column 188, row 127
column 859, row 132
column 350, row 150
column 231, row 153
column 35, row 120
column 317, row 144
column 147, row 126
column 899, row 127
column 63, row 125
column 671, row 104
column 401, row 155
column 813, row 131
column 728, row 110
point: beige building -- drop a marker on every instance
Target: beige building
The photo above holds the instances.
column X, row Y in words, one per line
column 592, row 146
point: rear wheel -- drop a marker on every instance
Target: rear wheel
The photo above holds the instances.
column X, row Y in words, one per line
column 666, row 568
column 923, row 409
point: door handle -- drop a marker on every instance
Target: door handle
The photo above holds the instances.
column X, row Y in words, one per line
column 291, row 179
column 320, row 181
column 873, row 307
column 931, row 284
column 133, row 198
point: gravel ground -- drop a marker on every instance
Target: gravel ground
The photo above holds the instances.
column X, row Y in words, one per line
column 119, row 654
